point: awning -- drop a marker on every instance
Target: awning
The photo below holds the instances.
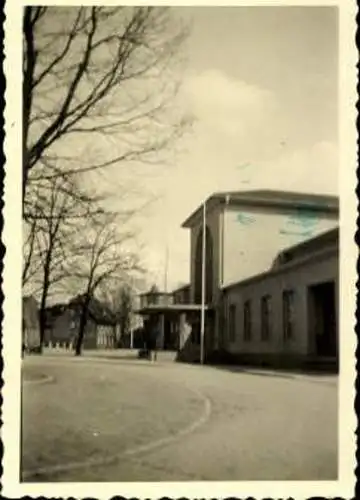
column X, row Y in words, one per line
column 171, row 308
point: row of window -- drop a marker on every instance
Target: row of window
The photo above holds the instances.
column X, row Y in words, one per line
column 266, row 312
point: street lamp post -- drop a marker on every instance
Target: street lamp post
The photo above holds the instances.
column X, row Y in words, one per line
column 203, row 285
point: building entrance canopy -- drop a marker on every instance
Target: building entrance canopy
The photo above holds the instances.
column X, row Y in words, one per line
column 170, row 308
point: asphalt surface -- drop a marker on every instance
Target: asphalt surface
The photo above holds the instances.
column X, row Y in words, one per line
column 122, row 420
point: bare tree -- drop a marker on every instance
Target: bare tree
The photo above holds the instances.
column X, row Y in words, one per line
column 125, row 310
column 29, row 249
column 60, row 220
column 53, row 224
column 119, row 297
column 102, row 255
column 95, row 74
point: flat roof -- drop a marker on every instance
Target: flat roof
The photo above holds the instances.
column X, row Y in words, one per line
column 169, row 308
column 181, row 288
column 268, row 199
column 327, row 239
column 145, row 294
column 319, row 241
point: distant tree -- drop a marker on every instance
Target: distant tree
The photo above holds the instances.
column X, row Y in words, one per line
column 91, row 76
column 50, row 228
column 152, row 294
column 119, row 297
column 102, row 255
column 126, row 306
column 154, row 289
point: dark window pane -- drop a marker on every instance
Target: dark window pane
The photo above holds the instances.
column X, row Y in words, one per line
column 247, row 320
column 232, row 323
column 288, row 314
column 265, row 317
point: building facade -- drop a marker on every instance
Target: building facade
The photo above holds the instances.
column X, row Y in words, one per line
column 289, row 313
column 269, row 255
column 244, row 232
column 63, row 324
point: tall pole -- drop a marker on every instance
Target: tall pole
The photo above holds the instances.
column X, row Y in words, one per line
column 166, row 267
column 162, row 316
column 131, row 337
column 203, row 286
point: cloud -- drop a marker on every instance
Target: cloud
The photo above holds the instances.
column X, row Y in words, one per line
column 307, row 170
column 244, row 138
column 234, row 120
column 226, row 105
column 239, row 123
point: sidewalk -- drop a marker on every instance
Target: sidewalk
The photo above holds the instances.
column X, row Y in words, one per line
column 324, row 377
column 113, row 354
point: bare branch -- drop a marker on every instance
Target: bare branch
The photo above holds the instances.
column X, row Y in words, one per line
column 85, row 65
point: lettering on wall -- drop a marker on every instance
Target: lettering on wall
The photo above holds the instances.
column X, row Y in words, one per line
column 245, row 219
column 301, row 223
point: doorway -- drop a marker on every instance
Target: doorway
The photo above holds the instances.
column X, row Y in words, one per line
column 171, row 333
column 322, row 319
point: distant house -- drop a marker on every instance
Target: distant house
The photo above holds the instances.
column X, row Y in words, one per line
column 63, row 323
column 101, row 330
column 105, row 335
column 52, row 313
column 105, row 321
column 30, row 323
column 182, row 294
column 61, row 328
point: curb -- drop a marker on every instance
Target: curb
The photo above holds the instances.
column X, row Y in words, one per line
column 134, row 451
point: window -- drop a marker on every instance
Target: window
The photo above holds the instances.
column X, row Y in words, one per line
column 265, row 317
column 247, row 320
column 232, row 323
column 288, row 314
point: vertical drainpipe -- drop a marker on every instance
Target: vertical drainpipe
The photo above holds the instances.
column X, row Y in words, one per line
column 227, row 201
column 221, row 267
column 203, row 288
column 221, row 250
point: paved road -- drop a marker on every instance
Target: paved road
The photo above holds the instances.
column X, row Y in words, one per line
column 113, row 420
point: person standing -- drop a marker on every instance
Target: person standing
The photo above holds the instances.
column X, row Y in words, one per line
column 154, row 337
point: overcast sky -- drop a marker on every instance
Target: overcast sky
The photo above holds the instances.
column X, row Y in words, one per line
column 262, row 84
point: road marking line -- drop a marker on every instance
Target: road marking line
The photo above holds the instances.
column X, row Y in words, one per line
column 43, row 380
column 144, row 448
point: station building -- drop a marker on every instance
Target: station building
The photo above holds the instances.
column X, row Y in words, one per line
column 271, row 281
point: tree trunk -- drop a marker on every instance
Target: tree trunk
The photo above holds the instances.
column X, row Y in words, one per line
column 42, row 325
column 42, row 315
column 82, row 326
column 28, row 75
column 44, row 295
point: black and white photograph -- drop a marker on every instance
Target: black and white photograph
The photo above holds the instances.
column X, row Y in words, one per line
column 180, row 268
